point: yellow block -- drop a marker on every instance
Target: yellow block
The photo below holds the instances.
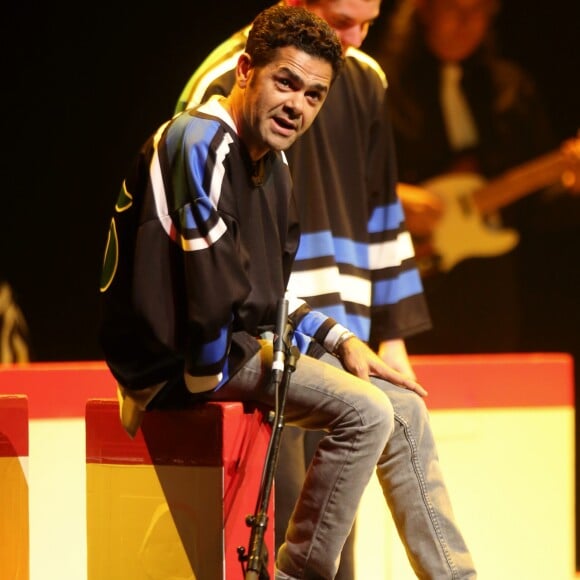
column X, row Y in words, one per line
column 152, row 532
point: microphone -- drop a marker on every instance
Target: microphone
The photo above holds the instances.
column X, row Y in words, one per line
column 279, row 346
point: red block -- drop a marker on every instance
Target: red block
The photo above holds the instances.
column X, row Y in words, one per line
column 173, row 501
column 14, row 527
column 504, row 380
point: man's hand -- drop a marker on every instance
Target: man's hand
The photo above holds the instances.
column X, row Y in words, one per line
column 361, row 361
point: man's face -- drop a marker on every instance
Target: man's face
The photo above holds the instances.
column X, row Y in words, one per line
column 282, row 99
column 349, row 18
column 455, row 28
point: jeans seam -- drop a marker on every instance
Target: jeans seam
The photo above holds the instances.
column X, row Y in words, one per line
column 425, row 495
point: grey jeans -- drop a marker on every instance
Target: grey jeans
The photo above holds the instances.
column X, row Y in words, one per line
column 367, row 428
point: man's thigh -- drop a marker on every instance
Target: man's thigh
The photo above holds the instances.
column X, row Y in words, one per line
column 318, row 392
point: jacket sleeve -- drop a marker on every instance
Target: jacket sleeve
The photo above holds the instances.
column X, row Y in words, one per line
column 186, row 277
column 399, row 307
column 313, row 326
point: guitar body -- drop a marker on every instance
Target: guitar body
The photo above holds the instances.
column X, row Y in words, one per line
column 462, row 232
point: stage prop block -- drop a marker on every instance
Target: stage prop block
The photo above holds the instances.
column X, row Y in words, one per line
column 504, row 426
column 14, row 529
column 172, row 503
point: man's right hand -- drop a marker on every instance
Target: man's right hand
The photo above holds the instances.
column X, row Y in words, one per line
column 360, row 360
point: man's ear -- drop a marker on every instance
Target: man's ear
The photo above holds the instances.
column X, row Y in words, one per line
column 243, row 69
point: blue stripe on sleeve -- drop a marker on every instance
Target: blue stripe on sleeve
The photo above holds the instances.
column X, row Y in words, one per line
column 386, row 217
column 320, row 244
column 392, row 291
column 188, row 219
column 204, row 206
column 360, row 325
column 301, row 341
column 315, row 245
column 213, row 352
column 311, row 322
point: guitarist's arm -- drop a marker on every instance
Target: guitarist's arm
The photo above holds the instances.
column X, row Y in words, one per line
column 570, row 178
column 557, row 181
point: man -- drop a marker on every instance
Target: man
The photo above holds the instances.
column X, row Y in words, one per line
column 208, row 208
column 188, row 341
column 355, row 263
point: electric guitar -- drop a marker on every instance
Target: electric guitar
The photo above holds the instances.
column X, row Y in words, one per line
column 463, row 231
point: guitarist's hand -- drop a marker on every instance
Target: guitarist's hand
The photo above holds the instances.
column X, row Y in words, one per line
column 571, row 175
column 423, row 209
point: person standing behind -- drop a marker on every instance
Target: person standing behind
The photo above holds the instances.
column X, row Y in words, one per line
column 458, row 106
column 355, row 263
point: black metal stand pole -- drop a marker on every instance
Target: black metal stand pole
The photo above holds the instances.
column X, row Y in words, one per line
column 257, row 557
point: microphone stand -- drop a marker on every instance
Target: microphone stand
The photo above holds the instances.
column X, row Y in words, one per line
column 283, row 365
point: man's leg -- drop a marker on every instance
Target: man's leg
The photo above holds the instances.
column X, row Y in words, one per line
column 412, row 483
column 346, row 566
column 290, row 475
column 358, row 420
column 296, row 452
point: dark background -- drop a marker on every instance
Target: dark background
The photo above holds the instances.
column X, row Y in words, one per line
column 82, row 90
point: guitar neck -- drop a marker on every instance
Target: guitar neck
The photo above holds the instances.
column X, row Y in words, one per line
column 520, row 181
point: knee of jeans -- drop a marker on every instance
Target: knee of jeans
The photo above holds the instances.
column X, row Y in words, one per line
column 411, row 410
column 379, row 415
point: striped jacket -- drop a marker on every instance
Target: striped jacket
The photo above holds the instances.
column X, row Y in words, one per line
column 199, row 252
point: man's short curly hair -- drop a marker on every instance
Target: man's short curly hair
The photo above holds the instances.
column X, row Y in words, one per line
column 280, row 26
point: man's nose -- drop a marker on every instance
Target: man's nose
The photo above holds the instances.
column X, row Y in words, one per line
column 295, row 103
